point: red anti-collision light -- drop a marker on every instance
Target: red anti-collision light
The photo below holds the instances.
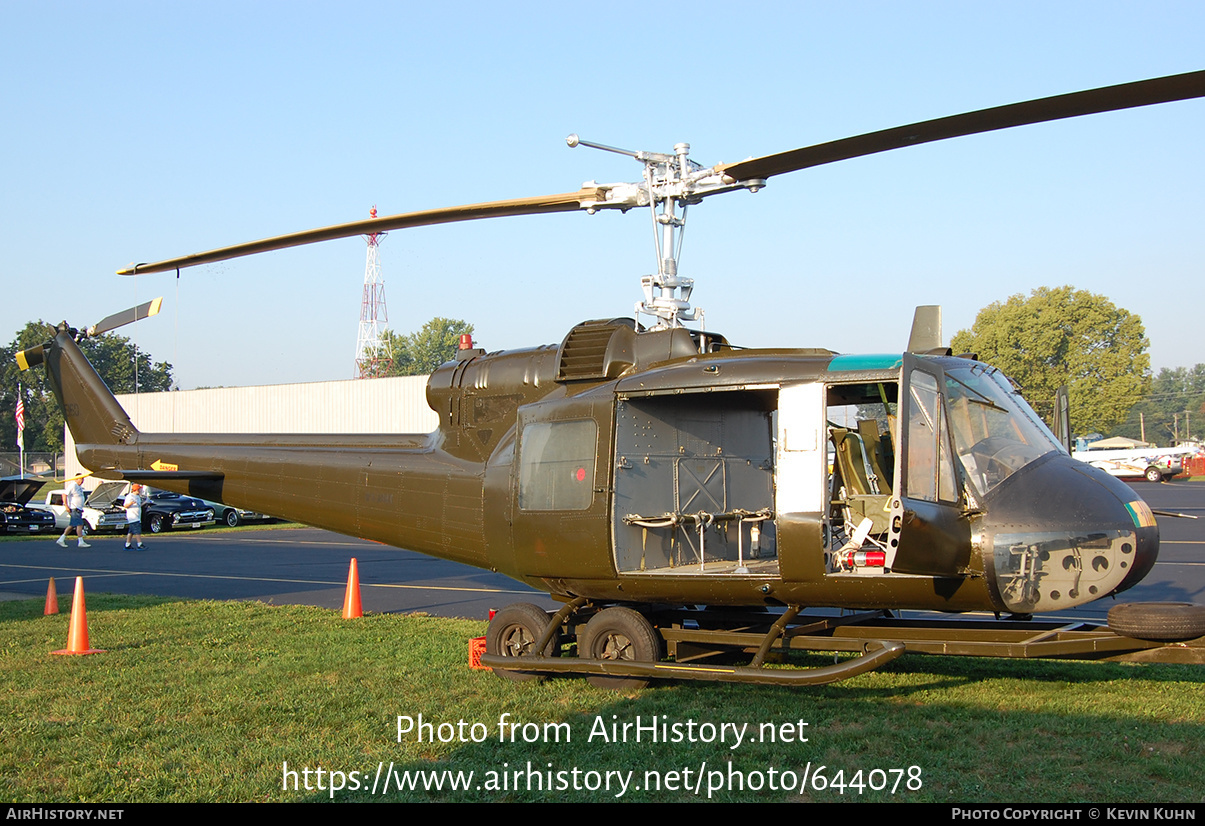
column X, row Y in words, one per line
column 466, row 341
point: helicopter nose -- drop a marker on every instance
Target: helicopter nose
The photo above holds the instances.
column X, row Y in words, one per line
column 1147, row 550
column 1061, row 533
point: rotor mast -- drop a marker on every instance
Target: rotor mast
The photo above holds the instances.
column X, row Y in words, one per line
column 670, row 181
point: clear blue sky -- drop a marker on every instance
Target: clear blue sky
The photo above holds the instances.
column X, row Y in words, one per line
column 139, row 131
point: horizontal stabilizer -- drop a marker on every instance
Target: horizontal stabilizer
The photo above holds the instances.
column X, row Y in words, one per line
column 151, row 476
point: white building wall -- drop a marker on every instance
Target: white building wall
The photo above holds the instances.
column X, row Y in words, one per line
column 393, row 405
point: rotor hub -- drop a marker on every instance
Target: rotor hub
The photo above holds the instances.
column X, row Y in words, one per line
column 671, row 182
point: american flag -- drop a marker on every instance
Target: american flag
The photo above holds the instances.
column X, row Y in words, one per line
column 20, row 416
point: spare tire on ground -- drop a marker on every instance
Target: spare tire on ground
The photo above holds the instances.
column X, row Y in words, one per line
column 1159, row 621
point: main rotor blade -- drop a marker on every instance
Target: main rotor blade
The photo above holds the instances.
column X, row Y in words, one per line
column 566, row 202
column 1075, row 104
column 125, row 317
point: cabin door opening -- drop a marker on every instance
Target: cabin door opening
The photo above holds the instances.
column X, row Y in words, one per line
column 862, row 437
column 694, row 484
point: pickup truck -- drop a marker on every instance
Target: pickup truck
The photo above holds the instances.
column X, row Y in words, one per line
column 1152, row 464
column 102, row 511
column 161, row 512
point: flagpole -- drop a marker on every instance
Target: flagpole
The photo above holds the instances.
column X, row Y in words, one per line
column 20, row 415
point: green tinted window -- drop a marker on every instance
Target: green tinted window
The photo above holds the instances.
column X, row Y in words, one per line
column 556, row 465
column 930, row 468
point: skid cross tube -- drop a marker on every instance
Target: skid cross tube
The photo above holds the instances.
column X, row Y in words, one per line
column 773, row 634
column 558, row 619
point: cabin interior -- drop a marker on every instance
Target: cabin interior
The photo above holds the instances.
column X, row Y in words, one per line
column 701, row 477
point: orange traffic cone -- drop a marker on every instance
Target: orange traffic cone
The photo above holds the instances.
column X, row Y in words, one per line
column 351, row 599
column 77, row 636
column 52, row 600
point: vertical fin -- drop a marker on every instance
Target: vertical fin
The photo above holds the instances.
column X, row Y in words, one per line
column 88, row 405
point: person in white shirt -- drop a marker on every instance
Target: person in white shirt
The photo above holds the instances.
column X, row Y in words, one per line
column 133, row 504
column 74, row 498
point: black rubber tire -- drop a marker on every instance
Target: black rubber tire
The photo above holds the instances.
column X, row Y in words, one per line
column 513, row 632
column 1153, row 475
column 619, row 633
column 1158, row 621
column 231, row 518
column 158, row 523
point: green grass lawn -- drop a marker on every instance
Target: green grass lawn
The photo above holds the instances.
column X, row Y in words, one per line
column 207, row 701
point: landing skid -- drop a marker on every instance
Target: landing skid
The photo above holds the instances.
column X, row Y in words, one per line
column 877, row 654
column 702, row 643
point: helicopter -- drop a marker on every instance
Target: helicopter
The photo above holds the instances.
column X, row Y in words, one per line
column 684, row 497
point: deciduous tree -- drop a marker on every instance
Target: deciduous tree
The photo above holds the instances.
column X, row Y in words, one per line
column 1175, row 407
column 419, row 354
column 1061, row 335
column 116, row 360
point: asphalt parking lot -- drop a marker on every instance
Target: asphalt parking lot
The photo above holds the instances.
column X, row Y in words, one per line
column 308, row 566
column 298, row 566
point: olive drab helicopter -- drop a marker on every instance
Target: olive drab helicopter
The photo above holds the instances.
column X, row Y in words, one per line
column 686, row 499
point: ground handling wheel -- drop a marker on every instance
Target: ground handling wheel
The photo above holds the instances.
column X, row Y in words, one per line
column 619, row 633
column 1158, row 621
column 514, row 632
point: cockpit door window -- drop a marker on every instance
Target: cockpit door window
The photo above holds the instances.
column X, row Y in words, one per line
column 927, row 457
column 930, row 533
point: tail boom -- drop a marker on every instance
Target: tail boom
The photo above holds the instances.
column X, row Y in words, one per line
column 403, row 490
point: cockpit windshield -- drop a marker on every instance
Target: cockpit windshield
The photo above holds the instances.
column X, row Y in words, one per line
column 995, row 432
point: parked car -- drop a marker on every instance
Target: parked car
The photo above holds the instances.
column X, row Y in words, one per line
column 103, row 510
column 1152, row 464
column 233, row 517
column 15, row 513
column 165, row 511
column 162, row 511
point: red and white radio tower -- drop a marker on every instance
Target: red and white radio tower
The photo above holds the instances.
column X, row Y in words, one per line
column 371, row 358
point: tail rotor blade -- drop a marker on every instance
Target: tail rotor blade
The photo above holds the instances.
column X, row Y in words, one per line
column 34, row 356
column 125, row 317
column 31, row 357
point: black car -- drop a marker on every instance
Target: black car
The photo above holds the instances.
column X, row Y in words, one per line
column 15, row 515
column 165, row 510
